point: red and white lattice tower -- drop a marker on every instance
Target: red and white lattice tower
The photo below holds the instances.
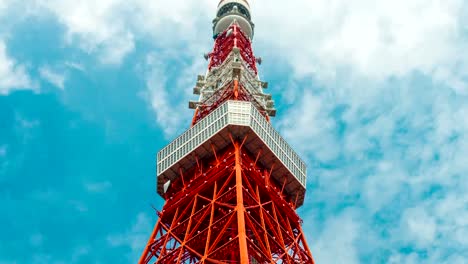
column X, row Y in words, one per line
column 231, row 182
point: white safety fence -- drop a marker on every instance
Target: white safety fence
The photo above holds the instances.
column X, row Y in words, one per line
column 237, row 113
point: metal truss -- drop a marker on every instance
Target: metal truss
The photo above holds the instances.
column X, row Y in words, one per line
column 232, row 91
column 231, row 182
column 232, row 74
column 226, row 41
column 227, row 210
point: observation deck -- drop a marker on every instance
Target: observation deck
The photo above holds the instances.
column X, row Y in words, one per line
column 237, row 119
column 230, row 11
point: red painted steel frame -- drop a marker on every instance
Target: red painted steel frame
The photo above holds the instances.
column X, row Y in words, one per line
column 232, row 91
column 226, row 41
column 227, row 210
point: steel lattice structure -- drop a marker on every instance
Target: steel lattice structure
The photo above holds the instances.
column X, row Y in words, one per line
column 231, row 182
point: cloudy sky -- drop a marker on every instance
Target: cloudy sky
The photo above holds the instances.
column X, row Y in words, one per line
column 372, row 93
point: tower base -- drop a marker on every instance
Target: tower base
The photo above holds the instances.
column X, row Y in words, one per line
column 227, row 210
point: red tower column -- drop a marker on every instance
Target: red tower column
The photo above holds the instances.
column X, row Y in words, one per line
column 231, row 182
column 240, row 208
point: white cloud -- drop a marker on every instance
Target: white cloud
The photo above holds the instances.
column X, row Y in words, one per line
column 115, row 51
column 381, row 188
column 3, row 6
column 3, row 150
column 98, row 187
column 312, row 125
column 420, row 226
column 108, row 28
column 95, row 26
column 26, row 124
column 169, row 92
column 368, row 39
column 75, row 65
column 379, row 133
column 134, row 238
column 400, row 152
column 374, row 39
column 337, row 242
column 13, row 75
column 160, row 97
column 365, row 39
column 53, row 77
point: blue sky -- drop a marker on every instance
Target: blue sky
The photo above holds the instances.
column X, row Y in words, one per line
column 373, row 94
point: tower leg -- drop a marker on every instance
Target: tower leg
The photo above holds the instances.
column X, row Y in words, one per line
column 228, row 213
column 150, row 241
column 244, row 256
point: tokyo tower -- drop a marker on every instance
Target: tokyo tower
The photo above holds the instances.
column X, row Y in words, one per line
column 231, row 183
